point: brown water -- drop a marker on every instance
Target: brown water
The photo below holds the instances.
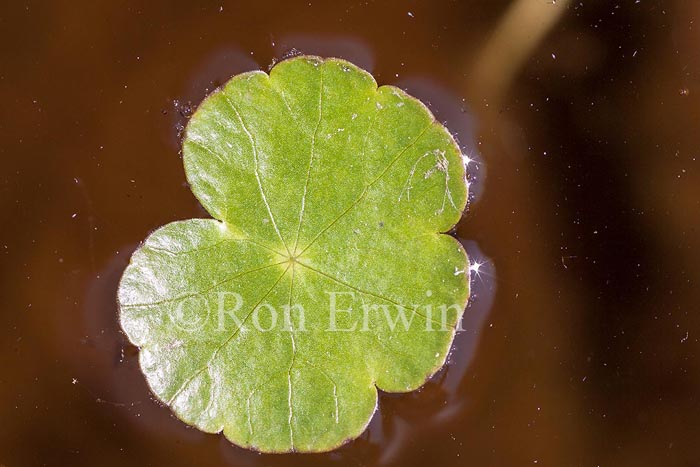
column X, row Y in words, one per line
column 581, row 345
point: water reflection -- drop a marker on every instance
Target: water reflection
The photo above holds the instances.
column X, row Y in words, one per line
column 215, row 69
column 114, row 379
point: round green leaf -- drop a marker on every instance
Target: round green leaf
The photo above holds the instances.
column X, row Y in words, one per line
column 325, row 273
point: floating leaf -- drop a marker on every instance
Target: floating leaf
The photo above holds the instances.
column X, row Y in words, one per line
column 325, row 273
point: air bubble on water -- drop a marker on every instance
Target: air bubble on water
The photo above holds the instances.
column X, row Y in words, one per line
column 293, row 52
column 272, row 63
column 180, row 129
column 183, row 108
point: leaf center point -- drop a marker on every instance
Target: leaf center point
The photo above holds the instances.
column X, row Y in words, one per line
column 293, row 258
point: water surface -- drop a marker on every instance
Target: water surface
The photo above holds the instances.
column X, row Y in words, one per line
column 581, row 341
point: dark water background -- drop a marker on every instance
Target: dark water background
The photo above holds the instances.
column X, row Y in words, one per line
column 581, row 345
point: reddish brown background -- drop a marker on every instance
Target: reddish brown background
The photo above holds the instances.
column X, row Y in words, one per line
column 582, row 345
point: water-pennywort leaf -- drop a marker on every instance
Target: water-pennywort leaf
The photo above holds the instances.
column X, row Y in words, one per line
column 325, row 272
